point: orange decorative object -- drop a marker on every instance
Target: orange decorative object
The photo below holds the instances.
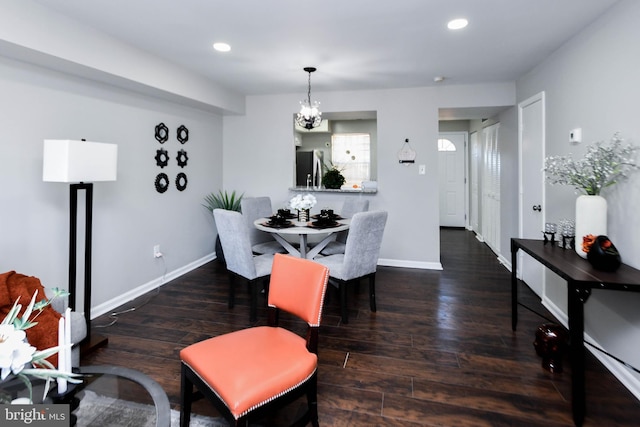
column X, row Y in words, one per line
column 252, row 369
column 587, row 241
column 603, row 254
column 44, row 334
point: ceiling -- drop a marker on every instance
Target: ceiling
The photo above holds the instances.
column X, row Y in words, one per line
column 355, row 44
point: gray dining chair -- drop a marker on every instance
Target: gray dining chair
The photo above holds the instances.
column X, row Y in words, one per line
column 360, row 258
column 234, row 237
column 350, row 207
column 254, row 208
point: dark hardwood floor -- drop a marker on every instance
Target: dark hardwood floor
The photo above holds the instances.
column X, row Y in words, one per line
column 438, row 352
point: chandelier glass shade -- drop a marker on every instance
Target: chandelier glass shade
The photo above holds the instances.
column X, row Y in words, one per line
column 309, row 116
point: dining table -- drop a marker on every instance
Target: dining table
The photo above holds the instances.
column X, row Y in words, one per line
column 303, row 230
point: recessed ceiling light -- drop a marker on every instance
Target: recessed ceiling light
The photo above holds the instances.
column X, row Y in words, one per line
column 457, row 24
column 221, row 47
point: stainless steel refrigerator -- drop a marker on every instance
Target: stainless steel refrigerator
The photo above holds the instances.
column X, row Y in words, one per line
column 309, row 168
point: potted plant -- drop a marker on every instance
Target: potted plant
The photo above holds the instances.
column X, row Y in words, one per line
column 603, row 165
column 332, row 178
column 222, row 200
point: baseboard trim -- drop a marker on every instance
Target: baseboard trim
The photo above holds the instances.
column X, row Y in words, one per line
column 409, row 264
column 502, row 260
column 108, row 306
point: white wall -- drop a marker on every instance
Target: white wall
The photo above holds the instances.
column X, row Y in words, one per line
column 593, row 82
column 508, row 148
column 129, row 215
column 258, row 156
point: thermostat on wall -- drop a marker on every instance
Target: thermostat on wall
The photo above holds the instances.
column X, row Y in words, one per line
column 576, row 135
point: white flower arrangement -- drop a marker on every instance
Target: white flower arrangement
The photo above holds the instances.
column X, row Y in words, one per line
column 602, row 166
column 303, row 203
column 20, row 359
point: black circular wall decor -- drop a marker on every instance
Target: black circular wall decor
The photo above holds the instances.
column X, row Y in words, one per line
column 162, row 133
column 182, row 158
column 181, row 181
column 183, row 134
column 162, row 183
column 162, row 158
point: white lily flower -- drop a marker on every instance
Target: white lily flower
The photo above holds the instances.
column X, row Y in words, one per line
column 15, row 351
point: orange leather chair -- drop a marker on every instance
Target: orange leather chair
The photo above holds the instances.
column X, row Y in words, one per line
column 248, row 372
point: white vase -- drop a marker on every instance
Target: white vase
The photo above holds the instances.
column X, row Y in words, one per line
column 591, row 218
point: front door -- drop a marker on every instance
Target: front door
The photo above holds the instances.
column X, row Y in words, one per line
column 451, row 168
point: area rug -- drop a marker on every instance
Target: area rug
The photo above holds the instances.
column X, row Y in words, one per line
column 101, row 411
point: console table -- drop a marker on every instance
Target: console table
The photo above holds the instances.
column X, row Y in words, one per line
column 581, row 278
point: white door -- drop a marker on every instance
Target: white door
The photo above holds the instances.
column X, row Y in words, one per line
column 451, row 167
column 476, row 151
column 531, row 129
column 491, row 188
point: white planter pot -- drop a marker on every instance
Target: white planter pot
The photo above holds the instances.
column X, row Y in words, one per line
column 591, row 218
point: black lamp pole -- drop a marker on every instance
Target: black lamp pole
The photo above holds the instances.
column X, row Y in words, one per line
column 73, row 228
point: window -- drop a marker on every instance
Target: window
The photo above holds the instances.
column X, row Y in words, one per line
column 350, row 153
column 446, row 145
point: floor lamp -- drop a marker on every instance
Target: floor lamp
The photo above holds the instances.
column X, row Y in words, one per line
column 80, row 163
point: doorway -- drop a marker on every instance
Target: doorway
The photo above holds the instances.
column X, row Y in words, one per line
column 531, row 146
column 452, row 147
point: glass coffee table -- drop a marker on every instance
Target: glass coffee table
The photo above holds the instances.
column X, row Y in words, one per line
column 112, row 394
column 109, row 396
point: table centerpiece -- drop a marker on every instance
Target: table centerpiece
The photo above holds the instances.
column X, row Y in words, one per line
column 302, row 204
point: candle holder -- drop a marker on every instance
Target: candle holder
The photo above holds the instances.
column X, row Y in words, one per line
column 549, row 237
column 568, row 231
column 568, row 242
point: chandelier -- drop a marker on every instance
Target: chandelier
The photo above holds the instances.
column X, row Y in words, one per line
column 309, row 116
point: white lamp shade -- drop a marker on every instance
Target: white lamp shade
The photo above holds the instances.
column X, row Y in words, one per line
column 66, row 160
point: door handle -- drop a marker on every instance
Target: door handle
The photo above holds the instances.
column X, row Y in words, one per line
column 537, row 208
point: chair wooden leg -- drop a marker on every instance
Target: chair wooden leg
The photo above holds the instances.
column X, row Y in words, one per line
column 186, row 392
column 343, row 302
column 372, row 292
column 311, row 414
column 312, row 399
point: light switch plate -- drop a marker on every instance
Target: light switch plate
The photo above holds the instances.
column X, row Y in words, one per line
column 422, row 169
